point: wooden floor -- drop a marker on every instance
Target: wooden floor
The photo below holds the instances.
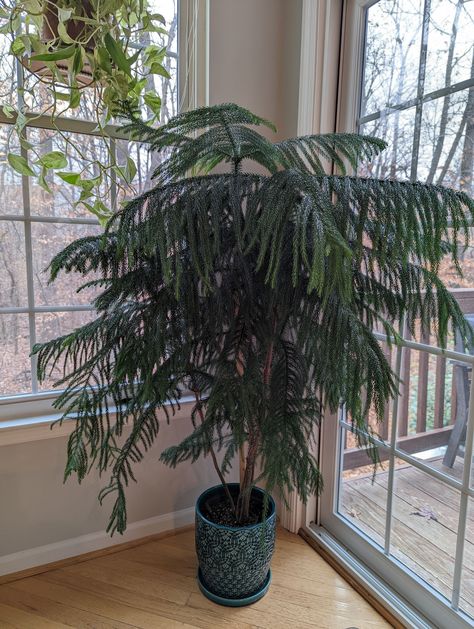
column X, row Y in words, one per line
column 425, row 522
column 154, row 585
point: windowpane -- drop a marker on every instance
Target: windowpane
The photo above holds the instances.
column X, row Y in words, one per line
column 397, row 130
column 87, row 156
column 48, row 239
column 169, row 10
column 53, row 324
column 145, row 164
column 11, row 194
column 8, row 74
column 456, row 284
column 445, row 155
column 431, row 399
column 362, row 501
column 38, row 94
column 439, row 149
column 13, row 290
column 39, row 99
column 15, row 364
column 424, row 526
column 392, row 52
column 450, row 44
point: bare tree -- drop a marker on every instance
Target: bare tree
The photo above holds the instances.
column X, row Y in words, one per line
column 446, row 101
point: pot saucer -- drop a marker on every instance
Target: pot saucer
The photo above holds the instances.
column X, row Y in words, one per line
column 234, row 602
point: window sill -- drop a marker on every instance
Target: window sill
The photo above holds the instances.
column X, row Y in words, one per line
column 33, row 429
column 38, row 428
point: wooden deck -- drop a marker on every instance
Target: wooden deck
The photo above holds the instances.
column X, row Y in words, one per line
column 154, row 585
column 425, row 521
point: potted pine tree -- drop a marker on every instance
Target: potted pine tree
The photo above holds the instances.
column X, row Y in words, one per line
column 257, row 290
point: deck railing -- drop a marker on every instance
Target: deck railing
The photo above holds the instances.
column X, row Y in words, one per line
column 427, row 426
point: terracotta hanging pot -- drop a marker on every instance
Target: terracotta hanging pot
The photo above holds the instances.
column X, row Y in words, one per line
column 77, row 30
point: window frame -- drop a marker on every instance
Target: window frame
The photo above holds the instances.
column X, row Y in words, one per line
column 35, row 409
column 410, row 598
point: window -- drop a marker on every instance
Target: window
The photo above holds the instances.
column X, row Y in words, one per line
column 418, row 90
column 35, row 224
column 413, row 85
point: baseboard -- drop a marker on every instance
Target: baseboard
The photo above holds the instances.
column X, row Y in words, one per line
column 33, row 560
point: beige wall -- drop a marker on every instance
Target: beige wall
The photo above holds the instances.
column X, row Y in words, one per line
column 254, row 61
column 38, row 509
column 254, row 58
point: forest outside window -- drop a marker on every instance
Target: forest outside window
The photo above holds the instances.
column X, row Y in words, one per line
column 418, row 95
column 36, row 224
column 418, row 90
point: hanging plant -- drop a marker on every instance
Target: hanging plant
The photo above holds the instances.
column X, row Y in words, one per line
column 87, row 57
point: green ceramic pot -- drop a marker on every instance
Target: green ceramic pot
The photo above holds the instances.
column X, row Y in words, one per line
column 234, row 562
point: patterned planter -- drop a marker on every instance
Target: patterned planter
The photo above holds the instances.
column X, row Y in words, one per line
column 234, row 562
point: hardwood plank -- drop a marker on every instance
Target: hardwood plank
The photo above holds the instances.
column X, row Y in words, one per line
column 157, row 587
column 359, row 586
column 20, row 619
column 53, row 614
column 154, row 585
column 179, row 561
column 136, row 569
column 22, row 574
column 286, row 536
column 80, row 588
column 273, row 613
column 88, row 595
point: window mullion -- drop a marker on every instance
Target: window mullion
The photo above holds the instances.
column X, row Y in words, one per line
column 443, row 91
column 49, row 219
column 46, row 309
column 25, row 189
column 66, row 125
column 113, row 174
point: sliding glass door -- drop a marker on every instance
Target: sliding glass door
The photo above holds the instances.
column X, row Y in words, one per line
column 409, row 70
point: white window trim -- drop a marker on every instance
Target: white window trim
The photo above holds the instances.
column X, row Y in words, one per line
column 38, row 428
column 317, row 99
column 193, row 42
column 31, row 414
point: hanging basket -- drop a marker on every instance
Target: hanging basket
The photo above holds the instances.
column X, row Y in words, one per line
column 75, row 29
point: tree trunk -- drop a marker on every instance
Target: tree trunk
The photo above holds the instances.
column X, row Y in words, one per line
column 246, row 484
column 467, row 157
column 467, row 122
column 447, row 99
